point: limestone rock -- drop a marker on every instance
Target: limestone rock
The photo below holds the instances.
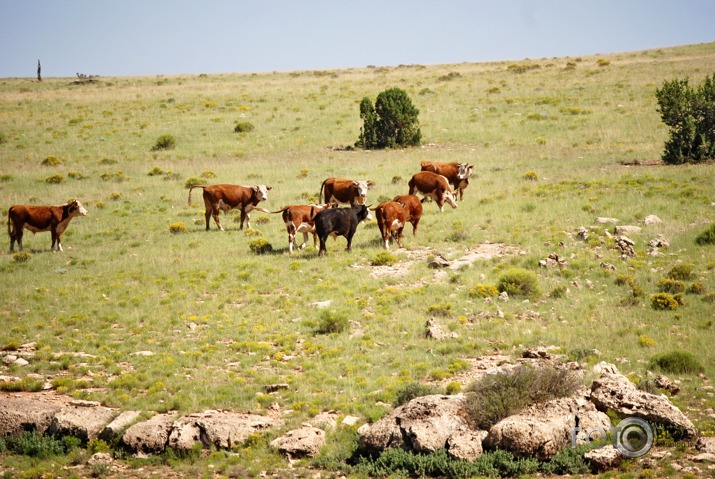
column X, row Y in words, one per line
column 434, row 330
column 607, row 220
column 652, row 220
column 542, row 430
column 221, row 429
column 614, row 391
column 306, row 441
column 604, row 458
column 627, row 230
column 19, row 414
column 149, row 436
column 422, row 425
column 706, row 444
column 466, row 445
column 118, row 425
column 83, row 422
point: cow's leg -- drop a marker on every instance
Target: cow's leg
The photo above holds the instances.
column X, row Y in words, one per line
column 305, row 240
column 291, row 241
column 349, row 237
column 315, row 240
column 414, row 227
column 17, row 236
column 215, row 212
column 322, row 249
column 399, row 236
column 245, row 216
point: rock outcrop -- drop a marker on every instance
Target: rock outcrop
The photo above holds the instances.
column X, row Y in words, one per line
column 306, row 441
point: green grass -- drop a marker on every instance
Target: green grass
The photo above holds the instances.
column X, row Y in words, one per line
column 222, row 322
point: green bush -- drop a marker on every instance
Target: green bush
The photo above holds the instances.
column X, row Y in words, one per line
column 36, row 445
column 243, row 127
column 384, row 258
column 156, row 171
column 664, row 301
column 391, row 123
column 682, row 272
column 671, row 286
column 164, row 142
column 332, row 321
column 260, row 246
column 690, row 114
column 51, row 161
column 483, row 291
column 676, row 362
column 411, row 391
column 518, row 282
column 500, row 395
column 706, row 237
column 55, row 179
column 178, row 228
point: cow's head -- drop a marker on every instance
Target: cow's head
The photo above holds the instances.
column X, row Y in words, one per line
column 75, row 208
column 465, row 171
column 361, row 188
column 363, row 213
column 448, row 197
column 261, row 192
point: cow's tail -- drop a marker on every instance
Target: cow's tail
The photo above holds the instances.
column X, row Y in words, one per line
column 10, row 231
column 279, row 211
column 313, row 212
column 191, row 189
column 320, row 195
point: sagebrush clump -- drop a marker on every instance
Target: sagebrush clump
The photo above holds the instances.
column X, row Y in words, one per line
column 518, row 282
column 411, row 391
column 676, row 362
column 164, row 142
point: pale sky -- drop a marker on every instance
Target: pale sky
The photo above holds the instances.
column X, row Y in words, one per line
column 162, row 37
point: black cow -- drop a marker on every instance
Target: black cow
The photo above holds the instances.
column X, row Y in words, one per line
column 339, row 222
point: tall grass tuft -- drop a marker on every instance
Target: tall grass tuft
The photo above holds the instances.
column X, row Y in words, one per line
column 676, row 362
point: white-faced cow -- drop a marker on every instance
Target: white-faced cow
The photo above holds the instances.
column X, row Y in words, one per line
column 228, row 197
column 41, row 218
column 341, row 190
column 391, row 219
column 413, row 209
column 300, row 219
column 457, row 174
column 339, row 222
column 432, row 185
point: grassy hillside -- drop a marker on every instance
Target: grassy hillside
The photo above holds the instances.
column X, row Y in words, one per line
column 139, row 318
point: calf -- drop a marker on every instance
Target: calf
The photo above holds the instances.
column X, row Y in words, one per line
column 457, row 174
column 391, row 218
column 413, row 209
column 432, row 185
column 41, row 218
column 341, row 190
column 339, row 222
column 300, row 219
column 228, row 197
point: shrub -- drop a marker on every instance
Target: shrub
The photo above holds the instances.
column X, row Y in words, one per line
column 243, row 127
column 664, row 301
column 164, row 142
column 156, row 171
column 709, row 298
column 193, row 181
column 518, row 282
column 3, row 139
column 391, row 123
column 696, row 288
column 442, row 309
column 483, row 291
column 676, row 362
column 55, row 179
column 531, row 176
column 690, row 114
column 332, row 321
column 410, row 391
column 384, row 258
column 260, row 246
column 21, row 257
column 682, row 271
column 51, row 161
column 500, row 395
column 178, row 228
column 706, row 237
column 671, row 286
column 36, row 445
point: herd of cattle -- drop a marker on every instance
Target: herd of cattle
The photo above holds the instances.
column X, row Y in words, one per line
column 441, row 182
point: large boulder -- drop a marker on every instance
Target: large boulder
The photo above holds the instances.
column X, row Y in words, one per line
column 306, row 441
column 542, row 430
column 220, row 429
column 81, row 419
column 26, row 413
column 422, row 425
column 614, row 391
column 149, row 436
column 466, row 445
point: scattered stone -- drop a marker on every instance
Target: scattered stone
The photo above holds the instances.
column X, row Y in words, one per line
column 627, row 230
column 100, row 459
column 607, row 220
column 704, row 457
column 504, row 296
column 143, row 353
column 438, row 262
column 321, row 304
column 659, row 242
column 607, row 266
column 434, row 331
column 652, row 220
column 306, row 441
column 604, row 458
column 536, row 353
column 706, row 444
column 552, row 261
column 9, row 359
column 665, row 383
column 582, row 233
column 350, row 420
column 625, row 245
column 21, row 362
column 326, row 420
column 466, row 445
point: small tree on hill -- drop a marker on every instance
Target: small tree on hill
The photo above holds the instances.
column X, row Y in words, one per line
column 391, row 123
column 690, row 114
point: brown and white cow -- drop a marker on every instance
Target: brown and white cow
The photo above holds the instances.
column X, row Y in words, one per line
column 432, row 185
column 300, row 219
column 228, row 197
column 391, row 219
column 41, row 218
column 457, row 174
column 342, row 190
column 413, row 209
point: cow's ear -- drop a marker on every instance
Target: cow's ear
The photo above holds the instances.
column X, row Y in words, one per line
column 269, row 187
column 370, row 183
